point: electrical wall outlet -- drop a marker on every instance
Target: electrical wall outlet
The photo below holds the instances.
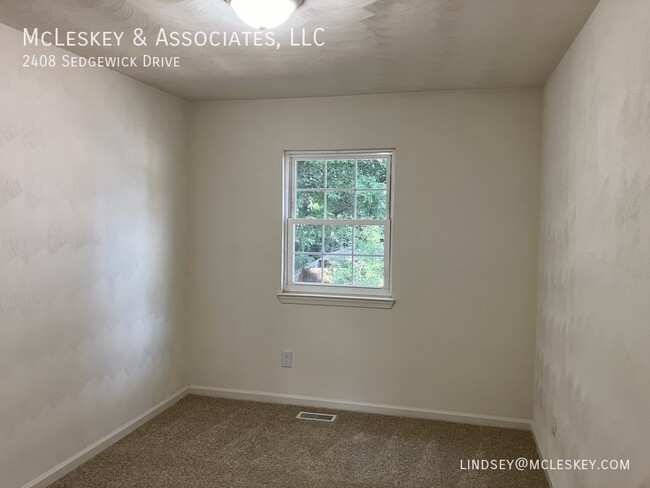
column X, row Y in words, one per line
column 287, row 359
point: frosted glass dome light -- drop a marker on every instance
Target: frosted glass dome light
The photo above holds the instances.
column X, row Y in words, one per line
column 264, row 14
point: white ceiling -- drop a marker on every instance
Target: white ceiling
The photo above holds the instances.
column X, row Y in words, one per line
column 372, row 46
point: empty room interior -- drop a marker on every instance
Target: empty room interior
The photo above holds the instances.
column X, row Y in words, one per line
column 325, row 243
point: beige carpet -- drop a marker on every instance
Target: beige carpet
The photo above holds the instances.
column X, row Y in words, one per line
column 207, row 442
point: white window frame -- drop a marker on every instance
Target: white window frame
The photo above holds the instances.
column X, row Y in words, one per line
column 324, row 294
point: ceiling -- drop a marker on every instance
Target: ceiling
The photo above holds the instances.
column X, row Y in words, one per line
column 371, row 46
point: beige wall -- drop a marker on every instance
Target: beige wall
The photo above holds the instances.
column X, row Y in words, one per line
column 461, row 335
column 593, row 339
column 91, row 203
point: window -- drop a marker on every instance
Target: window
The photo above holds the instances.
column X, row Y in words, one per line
column 337, row 228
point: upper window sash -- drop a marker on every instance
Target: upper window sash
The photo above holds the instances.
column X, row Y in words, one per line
column 325, row 187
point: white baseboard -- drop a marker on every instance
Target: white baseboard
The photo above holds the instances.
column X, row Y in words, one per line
column 541, row 455
column 377, row 408
column 95, row 448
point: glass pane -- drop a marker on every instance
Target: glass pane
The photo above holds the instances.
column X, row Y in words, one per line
column 338, row 270
column 369, row 271
column 310, row 174
column 310, row 204
column 307, row 268
column 338, row 238
column 371, row 173
column 340, row 173
column 369, row 239
column 309, row 238
column 340, row 205
column 371, row 205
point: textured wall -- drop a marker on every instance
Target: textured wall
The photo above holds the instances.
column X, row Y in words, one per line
column 593, row 352
column 461, row 335
column 90, row 199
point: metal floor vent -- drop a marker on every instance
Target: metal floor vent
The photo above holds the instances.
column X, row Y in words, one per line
column 321, row 417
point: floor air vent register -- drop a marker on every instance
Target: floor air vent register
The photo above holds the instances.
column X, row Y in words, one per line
column 321, row 417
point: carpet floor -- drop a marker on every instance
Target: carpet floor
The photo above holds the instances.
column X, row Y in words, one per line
column 206, row 442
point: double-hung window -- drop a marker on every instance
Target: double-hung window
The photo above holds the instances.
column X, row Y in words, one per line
column 337, row 228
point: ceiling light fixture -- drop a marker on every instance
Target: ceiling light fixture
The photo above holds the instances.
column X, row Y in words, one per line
column 264, row 14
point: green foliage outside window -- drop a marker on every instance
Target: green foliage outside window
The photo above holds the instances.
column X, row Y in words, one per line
column 340, row 190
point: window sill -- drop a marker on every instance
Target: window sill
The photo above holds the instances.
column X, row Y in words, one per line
column 336, row 300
